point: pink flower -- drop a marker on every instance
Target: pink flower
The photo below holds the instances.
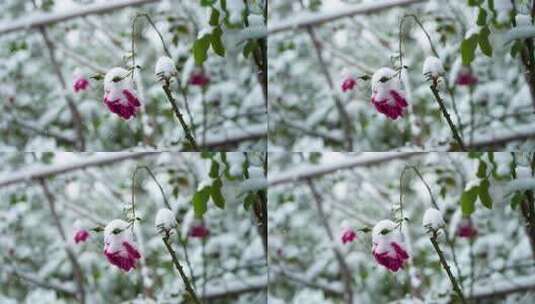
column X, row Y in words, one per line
column 388, row 248
column 198, row 78
column 120, row 97
column 119, row 247
column 387, row 96
column 81, row 235
column 199, row 231
column 348, row 84
column 80, row 84
column 466, row 78
column 348, row 235
column 466, row 229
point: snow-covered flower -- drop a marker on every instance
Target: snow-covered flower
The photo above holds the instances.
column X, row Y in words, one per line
column 199, row 78
column 165, row 221
column 119, row 247
column 387, row 96
column 348, row 235
column 466, row 78
column 81, row 235
column 80, row 82
column 433, row 220
column 165, row 68
column 235, row 9
column 433, row 68
column 466, row 228
column 120, row 97
column 388, row 247
column 348, row 83
column 199, row 230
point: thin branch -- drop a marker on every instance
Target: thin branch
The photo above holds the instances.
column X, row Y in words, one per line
column 178, row 115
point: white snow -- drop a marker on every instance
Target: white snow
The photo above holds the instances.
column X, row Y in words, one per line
column 165, row 68
column 115, row 233
column 433, row 67
column 235, row 9
column 523, row 20
column 235, row 160
column 433, row 220
column 117, row 80
column 165, row 220
column 503, row 8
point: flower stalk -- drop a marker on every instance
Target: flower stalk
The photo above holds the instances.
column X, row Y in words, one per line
column 440, row 102
column 185, row 279
column 446, row 267
column 185, row 127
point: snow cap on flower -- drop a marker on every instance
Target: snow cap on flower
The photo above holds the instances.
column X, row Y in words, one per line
column 80, row 82
column 466, row 228
column 387, row 96
column 199, row 230
column 165, row 68
column 433, row 220
column 165, row 220
column 119, row 94
column 388, row 248
column 235, row 9
column 119, row 247
column 433, row 67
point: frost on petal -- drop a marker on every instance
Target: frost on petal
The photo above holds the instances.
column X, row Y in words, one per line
column 348, row 84
column 165, row 68
column 388, row 248
column 165, row 220
column 466, row 78
column 433, row 220
column 198, row 78
column 466, row 229
column 433, row 67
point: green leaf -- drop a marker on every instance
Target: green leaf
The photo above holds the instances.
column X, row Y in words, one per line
column 214, row 17
column 468, row 49
column 484, row 195
column 484, row 43
column 217, row 42
column 516, row 200
column 250, row 199
column 482, row 17
column 200, row 48
column 482, row 169
column 215, row 193
column 200, row 200
column 468, row 200
column 214, row 169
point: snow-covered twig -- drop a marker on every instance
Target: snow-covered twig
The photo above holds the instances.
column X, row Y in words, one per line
column 313, row 171
column 235, row 136
column 308, row 19
column 46, row 19
column 235, row 288
column 35, row 173
column 76, row 268
column 503, row 288
column 48, row 284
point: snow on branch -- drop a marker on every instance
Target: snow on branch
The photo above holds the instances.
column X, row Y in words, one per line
column 44, row 19
column 234, row 288
column 503, row 287
column 236, row 136
column 312, row 171
column 313, row 19
column 43, row 283
column 33, row 173
column 519, row 133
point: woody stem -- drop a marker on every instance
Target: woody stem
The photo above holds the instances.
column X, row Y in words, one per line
column 458, row 138
column 185, row 279
column 447, row 267
column 171, row 99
